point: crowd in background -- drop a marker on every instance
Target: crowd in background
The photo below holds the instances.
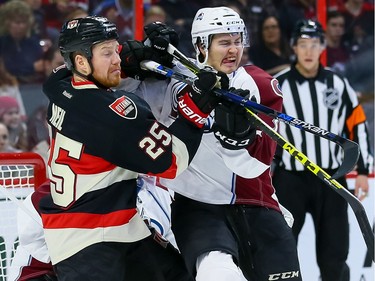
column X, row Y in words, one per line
column 29, row 32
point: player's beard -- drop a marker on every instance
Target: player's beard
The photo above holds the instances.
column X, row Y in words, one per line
column 110, row 81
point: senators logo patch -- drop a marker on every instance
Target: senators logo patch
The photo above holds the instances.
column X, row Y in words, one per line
column 124, row 107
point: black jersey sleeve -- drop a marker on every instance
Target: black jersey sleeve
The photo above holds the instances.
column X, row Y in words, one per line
column 119, row 127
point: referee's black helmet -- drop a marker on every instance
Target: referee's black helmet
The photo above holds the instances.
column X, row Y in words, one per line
column 79, row 35
column 307, row 28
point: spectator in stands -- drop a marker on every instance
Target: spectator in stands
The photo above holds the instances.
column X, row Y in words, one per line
column 252, row 11
column 360, row 69
column 272, row 51
column 9, row 87
column 57, row 11
column 4, row 140
column 337, row 53
column 121, row 15
column 53, row 59
column 77, row 12
column 179, row 16
column 359, row 22
column 333, row 5
column 359, row 35
column 20, row 50
column 293, row 10
column 39, row 25
column 10, row 116
column 155, row 13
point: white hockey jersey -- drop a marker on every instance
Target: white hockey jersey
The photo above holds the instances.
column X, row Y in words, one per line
column 217, row 175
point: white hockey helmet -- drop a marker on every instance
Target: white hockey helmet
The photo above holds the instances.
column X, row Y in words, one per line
column 210, row 21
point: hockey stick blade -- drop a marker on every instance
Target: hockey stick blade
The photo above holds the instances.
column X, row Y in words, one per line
column 350, row 148
column 353, row 201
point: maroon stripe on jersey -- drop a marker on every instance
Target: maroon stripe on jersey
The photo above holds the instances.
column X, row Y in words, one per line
column 39, row 193
column 86, row 220
column 34, row 270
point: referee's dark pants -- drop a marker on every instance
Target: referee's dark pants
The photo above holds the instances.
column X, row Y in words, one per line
column 303, row 192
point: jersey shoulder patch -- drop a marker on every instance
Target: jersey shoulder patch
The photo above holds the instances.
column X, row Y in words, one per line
column 125, row 107
column 276, row 87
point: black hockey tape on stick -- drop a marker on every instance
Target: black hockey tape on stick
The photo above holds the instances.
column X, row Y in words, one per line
column 353, row 201
column 350, row 148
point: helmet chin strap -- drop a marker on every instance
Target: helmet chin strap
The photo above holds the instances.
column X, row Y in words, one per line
column 199, row 55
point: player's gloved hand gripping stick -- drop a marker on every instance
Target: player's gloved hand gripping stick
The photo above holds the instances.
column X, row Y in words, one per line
column 352, row 147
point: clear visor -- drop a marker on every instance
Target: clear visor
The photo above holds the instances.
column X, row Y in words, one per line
column 244, row 34
column 245, row 38
column 243, row 30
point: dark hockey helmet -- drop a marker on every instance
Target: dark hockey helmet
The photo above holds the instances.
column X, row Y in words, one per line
column 307, row 29
column 79, row 35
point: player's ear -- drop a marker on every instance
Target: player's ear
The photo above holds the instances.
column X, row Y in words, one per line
column 82, row 64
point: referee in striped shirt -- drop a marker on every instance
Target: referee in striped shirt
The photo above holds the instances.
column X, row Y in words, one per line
column 321, row 97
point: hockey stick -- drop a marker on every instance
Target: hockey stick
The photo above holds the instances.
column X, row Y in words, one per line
column 354, row 203
column 351, row 150
column 19, row 203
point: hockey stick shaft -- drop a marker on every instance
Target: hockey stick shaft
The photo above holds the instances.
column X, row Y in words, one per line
column 353, row 201
column 19, row 203
column 351, row 150
column 300, row 124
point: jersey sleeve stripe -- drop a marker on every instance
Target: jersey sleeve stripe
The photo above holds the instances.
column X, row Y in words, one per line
column 357, row 117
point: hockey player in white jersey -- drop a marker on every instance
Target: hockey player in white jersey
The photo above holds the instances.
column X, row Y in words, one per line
column 225, row 216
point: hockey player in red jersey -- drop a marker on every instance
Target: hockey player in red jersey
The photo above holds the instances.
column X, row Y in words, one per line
column 226, row 217
column 100, row 140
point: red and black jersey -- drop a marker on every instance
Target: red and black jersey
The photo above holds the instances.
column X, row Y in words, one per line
column 100, row 140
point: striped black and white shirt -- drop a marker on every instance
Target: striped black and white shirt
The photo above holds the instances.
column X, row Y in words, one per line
column 329, row 102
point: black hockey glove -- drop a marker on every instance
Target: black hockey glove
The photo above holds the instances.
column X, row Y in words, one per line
column 199, row 99
column 158, row 36
column 132, row 53
column 158, row 29
column 202, row 88
column 232, row 126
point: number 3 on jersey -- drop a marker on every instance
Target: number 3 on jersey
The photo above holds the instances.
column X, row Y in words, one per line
column 152, row 144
